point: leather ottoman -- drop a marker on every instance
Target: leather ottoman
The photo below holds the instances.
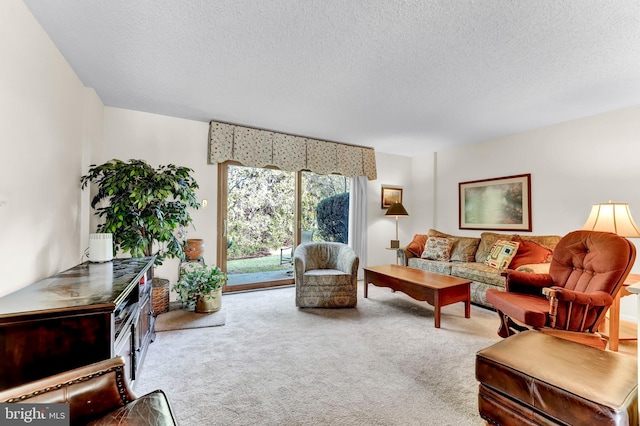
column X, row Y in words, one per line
column 532, row 378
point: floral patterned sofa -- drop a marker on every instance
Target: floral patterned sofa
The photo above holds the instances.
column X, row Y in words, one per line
column 480, row 260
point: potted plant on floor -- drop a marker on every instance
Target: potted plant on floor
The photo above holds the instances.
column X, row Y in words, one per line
column 200, row 285
column 145, row 208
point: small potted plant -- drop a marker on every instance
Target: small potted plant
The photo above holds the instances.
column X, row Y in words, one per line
column 200, row 285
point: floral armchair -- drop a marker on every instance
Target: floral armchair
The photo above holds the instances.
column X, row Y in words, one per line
column 326, row 275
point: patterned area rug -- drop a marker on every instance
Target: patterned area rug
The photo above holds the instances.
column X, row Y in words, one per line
column 181, row 319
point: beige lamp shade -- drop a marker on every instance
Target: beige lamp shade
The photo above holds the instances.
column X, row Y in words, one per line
column 612, row 217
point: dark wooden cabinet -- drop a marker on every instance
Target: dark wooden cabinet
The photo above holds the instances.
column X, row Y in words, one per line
column 85, row 314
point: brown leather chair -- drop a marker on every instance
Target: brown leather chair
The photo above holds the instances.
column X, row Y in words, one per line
column 97, row 394
column 586, row 271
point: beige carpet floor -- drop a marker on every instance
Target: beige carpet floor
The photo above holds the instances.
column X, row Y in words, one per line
column 382, row 363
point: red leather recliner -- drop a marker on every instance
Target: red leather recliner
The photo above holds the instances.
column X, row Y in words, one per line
column 587, row 270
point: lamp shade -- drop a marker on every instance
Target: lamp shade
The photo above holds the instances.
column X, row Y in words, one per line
column 396, row 209
column 612, row 217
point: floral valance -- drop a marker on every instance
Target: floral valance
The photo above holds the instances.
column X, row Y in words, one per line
column 262, row 148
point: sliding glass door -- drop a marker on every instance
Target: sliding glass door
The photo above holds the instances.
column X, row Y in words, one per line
column 258, row 226
column 258, row 210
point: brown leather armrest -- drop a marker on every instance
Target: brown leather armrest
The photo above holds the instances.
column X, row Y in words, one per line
column 91, row 391
column 526, row 282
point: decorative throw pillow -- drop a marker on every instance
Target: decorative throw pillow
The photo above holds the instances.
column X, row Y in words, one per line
column 464, row 248
column 487, row 240
column 416, row 246
column 501, row 254
column 436, row 233
column 438, row 248
column 547, row 241
column 529, row 252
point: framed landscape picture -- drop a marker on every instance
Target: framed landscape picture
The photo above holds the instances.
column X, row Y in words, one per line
column 502, row 203
column 390, row 195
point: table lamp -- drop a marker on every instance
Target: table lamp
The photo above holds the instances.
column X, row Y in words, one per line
column 612, row 217
column 397, row 210
column 616, row 218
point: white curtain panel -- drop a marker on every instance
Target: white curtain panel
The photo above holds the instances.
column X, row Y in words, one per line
column 358, row 220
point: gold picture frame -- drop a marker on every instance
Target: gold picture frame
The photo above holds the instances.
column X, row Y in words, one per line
column 502, row 203
column 390, row 195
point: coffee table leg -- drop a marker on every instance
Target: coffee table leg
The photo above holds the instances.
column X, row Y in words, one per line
column 436, row 300
column 366, row 284
column 467, row 303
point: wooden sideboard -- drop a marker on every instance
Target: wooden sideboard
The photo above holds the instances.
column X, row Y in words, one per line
column 85, row 314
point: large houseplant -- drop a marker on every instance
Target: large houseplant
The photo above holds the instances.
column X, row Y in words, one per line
column 200, row 285
column 144, row 207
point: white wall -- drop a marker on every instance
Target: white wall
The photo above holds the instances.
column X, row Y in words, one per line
column 573, row 165
column 424, row 171
column 393, row 170
column 91, row 152
column 47, row 114
column 161, row 140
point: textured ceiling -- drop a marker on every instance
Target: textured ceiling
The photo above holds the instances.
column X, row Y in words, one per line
column 403, row 76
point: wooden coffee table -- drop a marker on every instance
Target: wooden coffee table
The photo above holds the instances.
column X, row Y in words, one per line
column 436, row 289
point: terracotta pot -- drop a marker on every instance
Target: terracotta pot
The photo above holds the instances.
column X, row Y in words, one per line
column 206, row 305
column 194, row 248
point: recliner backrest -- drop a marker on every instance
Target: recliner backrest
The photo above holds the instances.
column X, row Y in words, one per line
column 588, row 261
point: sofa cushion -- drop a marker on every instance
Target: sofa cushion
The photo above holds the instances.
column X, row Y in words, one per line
column 464, row 248
column 416, row 246
column 326, row 277
column 501, row 254
column 478, row 272
column 529, row 252
column 478, row 293
column 438, row 248
column 487, row 240
column 430, row 265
